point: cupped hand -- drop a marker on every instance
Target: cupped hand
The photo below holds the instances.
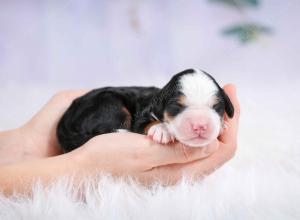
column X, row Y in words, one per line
column 40, row 132
column 123, row 154
column 129, row 153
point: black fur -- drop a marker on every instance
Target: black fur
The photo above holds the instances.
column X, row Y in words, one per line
column 224, row 101
column 107, row 109
column 103, row 111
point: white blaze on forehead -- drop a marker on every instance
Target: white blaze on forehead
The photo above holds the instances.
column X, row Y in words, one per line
column 199, row 89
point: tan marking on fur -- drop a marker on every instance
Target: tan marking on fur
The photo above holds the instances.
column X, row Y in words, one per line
column 127, row 122
column 167, row 117
column 181, row 100
column 149, row 126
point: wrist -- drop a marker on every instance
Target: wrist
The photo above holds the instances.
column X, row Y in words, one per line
column 9, row 146
column 80, row 159
column 38, row 144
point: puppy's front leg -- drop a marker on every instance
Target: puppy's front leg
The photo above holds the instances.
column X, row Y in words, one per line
column 160, row 134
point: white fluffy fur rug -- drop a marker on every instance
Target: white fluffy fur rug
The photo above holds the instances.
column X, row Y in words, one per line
column 261, row 182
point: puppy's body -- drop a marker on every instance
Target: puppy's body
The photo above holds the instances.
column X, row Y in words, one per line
column 104, row 110
column 189, row 108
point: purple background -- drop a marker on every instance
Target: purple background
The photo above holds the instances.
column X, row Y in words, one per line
column 49, row 45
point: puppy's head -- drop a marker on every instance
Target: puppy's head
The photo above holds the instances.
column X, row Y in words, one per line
column 192, row 105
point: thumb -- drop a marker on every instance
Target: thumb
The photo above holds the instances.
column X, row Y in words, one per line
column 230, row 132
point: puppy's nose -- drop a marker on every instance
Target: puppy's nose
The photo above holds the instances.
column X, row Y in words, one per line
column 200, row 128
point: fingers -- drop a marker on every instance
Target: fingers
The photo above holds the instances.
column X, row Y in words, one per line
column 230, row 133
column 131, row 152
column 172, row 173
column 56, row 106
column 160, row 155
column 143, row 152
column 63, row 99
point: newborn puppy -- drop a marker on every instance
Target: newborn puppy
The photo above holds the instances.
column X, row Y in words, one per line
column 190, row 109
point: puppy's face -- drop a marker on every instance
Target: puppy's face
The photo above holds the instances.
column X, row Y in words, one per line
column 193, row 107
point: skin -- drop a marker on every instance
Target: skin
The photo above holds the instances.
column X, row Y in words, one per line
column 32, row 152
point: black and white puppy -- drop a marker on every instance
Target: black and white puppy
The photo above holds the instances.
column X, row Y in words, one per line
column 190, row 109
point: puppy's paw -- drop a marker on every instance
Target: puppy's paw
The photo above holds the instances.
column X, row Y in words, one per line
column 160, row 134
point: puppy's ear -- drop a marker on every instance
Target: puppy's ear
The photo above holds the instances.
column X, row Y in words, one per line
column 229, row 109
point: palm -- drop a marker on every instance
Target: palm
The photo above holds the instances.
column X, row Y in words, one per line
column 42, row 126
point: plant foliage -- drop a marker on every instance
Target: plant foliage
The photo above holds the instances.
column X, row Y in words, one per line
column 238, row 3
column 246, row 33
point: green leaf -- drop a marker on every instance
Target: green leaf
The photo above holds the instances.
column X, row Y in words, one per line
column 246, row 33
column 238, row 3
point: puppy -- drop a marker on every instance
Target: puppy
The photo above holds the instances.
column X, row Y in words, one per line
column 190, row 109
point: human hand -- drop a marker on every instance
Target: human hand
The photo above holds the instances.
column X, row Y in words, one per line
column 123, row 154
column 40, row 132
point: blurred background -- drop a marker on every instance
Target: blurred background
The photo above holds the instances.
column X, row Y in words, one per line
column 52, row 45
